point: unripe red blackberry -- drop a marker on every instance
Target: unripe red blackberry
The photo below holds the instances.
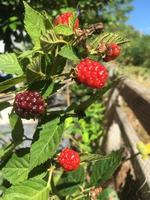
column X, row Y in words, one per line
column 91, row 73
column 112, row 52
column 64, row 19
column 29, row 104
column 69, row 159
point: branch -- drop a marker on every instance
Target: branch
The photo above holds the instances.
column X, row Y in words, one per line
column 83, row 34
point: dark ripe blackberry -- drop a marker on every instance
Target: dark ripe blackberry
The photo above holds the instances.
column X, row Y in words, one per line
column 29, row 104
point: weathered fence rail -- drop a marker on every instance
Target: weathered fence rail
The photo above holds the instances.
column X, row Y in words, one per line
column 119, row 126
column 138, row 99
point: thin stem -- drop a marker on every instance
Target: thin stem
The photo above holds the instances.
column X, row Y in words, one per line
column 80, row 196
column 57, row 76
column 69, row 82
column 50, row 175
column 132, row 157
column 26, row 138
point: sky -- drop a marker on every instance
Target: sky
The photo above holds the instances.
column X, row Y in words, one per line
column 140, row 16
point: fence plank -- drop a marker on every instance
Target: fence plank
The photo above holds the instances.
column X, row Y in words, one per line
column 141, row 167
column 138, row 99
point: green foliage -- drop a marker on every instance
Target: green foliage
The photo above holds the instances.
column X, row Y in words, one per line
column 107, row 194
column 17, row 128
column 105, row 38
column 9, row 64
column 89, row 128
column 136, row 52
column 33, row 70
column 17, row 169
column 49, row 67
column 34, row 24
column 63, row 30
column 35, row 188
column 4, row 105
column 72, row 180
column 104, row 169
column 46, row 146
column 49, row 40
column 11, row 82
column 12, row 13
column 67, row 52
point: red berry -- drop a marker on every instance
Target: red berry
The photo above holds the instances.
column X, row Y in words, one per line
column 112, row 52
column 29, row 104
column 64, row 19
column 69, row 159
column 91, row 73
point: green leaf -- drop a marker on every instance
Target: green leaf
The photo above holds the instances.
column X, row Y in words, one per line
column 68, row 189
column 4, row 105
column 9, row 64
column 2, row 152
column 26, row 54
column 67, row 52
column 58, row 65
column 46, row 146
column 16, row 169
column 104, row 169
column 7, row 151
column 92, row 157
column 11, row 82
column 76, row 176
column 49, row 40
column 47, row 89
column 32, row 189
column 34, row 24
column 108, row 194
column 63, row 30
column 106, row 38
column 70, row 181
column 17, row 128
column 33, row 70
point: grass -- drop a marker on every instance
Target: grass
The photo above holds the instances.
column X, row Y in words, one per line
column 137, row 73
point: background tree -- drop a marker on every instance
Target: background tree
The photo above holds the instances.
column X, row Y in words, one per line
column 12, row 14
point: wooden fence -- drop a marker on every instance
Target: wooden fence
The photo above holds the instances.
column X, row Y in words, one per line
column 120, row 130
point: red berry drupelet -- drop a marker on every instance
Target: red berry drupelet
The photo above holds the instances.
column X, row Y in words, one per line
column 69, row 159
column 91, row 73
column 112, row 52
column 64, row 19
column 29, row 104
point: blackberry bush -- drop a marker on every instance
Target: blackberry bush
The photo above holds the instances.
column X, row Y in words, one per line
column 62, row 54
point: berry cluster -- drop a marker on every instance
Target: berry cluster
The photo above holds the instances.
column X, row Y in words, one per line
column 69, row 159
column 29, row 104
column 112, row 52
column 91, row 73
column 65, row 18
